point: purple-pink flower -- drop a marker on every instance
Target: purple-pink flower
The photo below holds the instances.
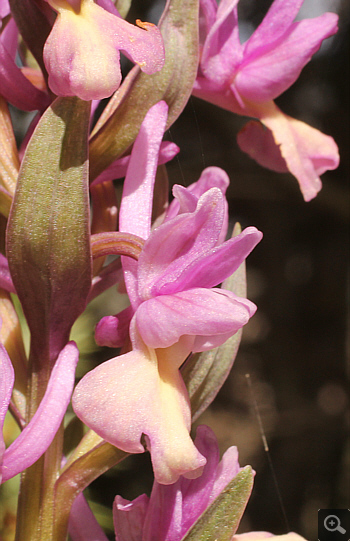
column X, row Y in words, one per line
column 176, row 308
column 246, row 78
column 82, row 55
column 171, row 510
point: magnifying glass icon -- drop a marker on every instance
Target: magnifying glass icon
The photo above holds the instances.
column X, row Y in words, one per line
column 332, row 524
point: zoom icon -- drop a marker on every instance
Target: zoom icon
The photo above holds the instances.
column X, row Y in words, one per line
column 333, row 524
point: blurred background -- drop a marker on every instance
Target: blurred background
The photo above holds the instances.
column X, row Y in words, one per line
column 295, row 347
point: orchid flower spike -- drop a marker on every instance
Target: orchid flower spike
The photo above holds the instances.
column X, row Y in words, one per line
column 175, row 309
column 246, row 78
column 82, row 55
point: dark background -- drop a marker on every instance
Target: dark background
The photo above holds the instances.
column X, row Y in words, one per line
column 295, row 346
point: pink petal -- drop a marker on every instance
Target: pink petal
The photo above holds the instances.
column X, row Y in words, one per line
column 9, row 38
column 139, row 393
column 173, row 245
column 211, row 177
column 16, row 88
column 268, row 71
column 81, row 53
column 173, row 509
column 307, row 152
column 118, row 169
column 136, row 205
column 6, row 385
column 213, row 267
column 196, row 492
column 207, row 16
column 225, row 472
column 4, row 8
column 109, row 6
column 258, row 142
column 275, row 24
column 39, row 433
column 222, row 51
column 83, row 525
column 129, row 518
column 5, row 276
column 112, row 331
column 216, row 313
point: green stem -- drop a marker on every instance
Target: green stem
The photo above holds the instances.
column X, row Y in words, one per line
column 92, row 457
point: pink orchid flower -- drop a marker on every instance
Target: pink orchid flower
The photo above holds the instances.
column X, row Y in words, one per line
column 246, row 78
column 36, row 437
column 82, row 55
column 113, row 331
column 170, row 511
column 176, row 309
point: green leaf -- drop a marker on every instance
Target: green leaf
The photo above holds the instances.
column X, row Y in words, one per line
column 221, row 520
column 121, row 120
column 48, row 241
column 205, row 373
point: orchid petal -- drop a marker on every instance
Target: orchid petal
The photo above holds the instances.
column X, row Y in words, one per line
column 118, row 169
column 207, row 15
column 225, row 472
column 138, row 393
column 186, row 237
column 274, row 25
column 172, row 510
column 213, row 267
column 136, row 205
column 112, row 331
column 196, row 492
column 266, row 73
column 9, row 38
column 222, row 51
column 39, row 433
column 211, row 177
column 258, row 142
column 83, row 525
column 81, row 53
column 4, row 8
column 196, row 312
column 307, row 152
column 16, row 88
column 5, row 276
column 6, row 385
column 187, row 202
column 109, row 6
column 129, row 517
